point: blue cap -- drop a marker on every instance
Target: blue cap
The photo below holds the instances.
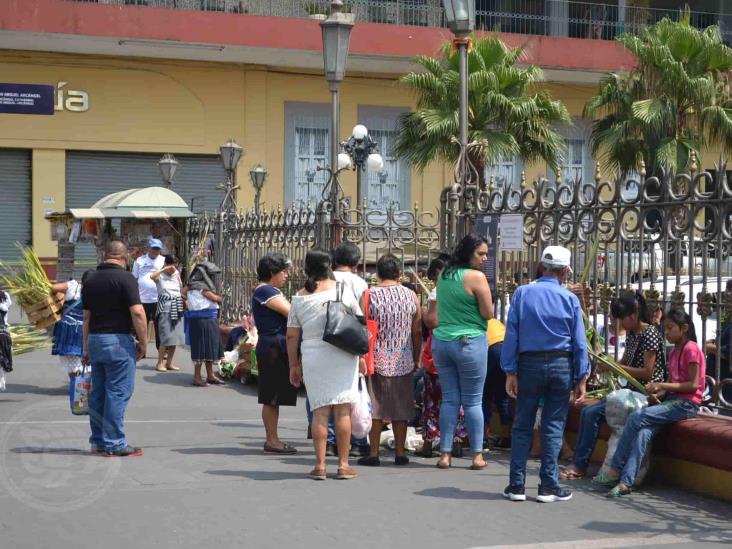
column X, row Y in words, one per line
column 154, row 243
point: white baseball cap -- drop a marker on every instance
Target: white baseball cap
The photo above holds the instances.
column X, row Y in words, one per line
column 556, row 256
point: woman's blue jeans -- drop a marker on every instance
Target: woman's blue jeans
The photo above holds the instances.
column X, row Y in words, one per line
column 461, row 365
column 546, row 376
column 640, row 428
column 113, row 381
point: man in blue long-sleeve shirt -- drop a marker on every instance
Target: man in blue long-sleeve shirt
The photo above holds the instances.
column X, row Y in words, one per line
column 545, row 358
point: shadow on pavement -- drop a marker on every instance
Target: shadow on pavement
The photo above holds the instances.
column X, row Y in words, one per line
column 14, row 388
column 686, row 514
column 449, row 492
column 55, row 451
column 220, row 451
column 260, row 475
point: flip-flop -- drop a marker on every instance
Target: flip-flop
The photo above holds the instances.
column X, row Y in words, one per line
column 160, row 370
column 443, row 464
column 475, row 467
column 198, row 383
column 286, row 449
column 173, row 369
column 618, row 491
column 214, row 381
column 603, row 480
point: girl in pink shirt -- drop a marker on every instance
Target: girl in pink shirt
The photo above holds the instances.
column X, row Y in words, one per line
column 682, row 397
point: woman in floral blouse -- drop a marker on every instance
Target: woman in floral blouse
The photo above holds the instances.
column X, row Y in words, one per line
column 396, row 351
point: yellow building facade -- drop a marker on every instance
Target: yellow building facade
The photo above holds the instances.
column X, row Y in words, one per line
column 138, row 105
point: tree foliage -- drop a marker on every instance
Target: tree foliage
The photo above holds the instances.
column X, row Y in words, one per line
column 675, row 101
column 507, row 116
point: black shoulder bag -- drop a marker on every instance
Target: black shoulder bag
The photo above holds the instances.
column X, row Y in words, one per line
column 343, row 329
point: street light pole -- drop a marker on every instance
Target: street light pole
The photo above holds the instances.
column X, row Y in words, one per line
column 460, row 17
column 336, row 33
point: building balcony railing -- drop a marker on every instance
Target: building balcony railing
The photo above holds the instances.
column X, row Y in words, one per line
column 590, row 20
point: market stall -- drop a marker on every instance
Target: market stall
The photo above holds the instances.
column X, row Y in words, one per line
column 133, row 215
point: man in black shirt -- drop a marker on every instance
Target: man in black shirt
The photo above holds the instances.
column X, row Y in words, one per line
column 112, row 310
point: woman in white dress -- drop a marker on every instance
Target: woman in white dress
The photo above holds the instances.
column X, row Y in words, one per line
column 330, row 374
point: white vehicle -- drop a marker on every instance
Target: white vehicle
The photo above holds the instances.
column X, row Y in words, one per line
column 687, row 285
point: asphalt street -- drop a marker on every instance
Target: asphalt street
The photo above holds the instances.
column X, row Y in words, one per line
column 204, row 482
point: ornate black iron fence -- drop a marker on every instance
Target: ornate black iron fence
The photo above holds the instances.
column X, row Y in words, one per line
column 669, row 237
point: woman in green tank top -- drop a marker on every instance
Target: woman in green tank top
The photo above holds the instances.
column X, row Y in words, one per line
column 460, row 346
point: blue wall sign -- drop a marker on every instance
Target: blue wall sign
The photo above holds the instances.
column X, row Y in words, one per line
column 26, row 98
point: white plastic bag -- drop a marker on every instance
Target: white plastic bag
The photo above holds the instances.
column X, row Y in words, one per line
column 618, row 407
column 361, row 412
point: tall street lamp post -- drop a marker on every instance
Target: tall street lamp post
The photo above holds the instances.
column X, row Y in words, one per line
column 336, row 30
column 460, row 18
column 363, row 150
column 231, row 152
column 258, row 175
column 168, row 166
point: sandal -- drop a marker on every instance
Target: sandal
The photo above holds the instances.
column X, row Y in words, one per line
column 173, row 369
column 602, row 479
column 477, row 467
column 198, row 383
column 286, row 449
column 318, row 474
column 160, row 369
column 571, row 474
column 618, row 491
column 444, row 463
column 215, row 381
column 346, row 473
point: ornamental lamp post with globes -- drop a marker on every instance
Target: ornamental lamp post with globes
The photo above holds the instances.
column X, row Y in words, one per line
column 168, row 166
column 336, row 33
column 363, row 150
column 258, row 175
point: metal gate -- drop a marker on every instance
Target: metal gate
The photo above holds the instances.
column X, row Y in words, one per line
column 670, row 239
column 15, row 206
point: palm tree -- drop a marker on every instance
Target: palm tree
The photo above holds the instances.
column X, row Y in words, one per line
column 677, row 100
column 506, row 116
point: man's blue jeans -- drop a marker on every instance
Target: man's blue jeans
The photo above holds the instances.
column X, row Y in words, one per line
column 547, row 376
column 639, row 430
column 113, row 381
column 591, row 417
column 461, row 365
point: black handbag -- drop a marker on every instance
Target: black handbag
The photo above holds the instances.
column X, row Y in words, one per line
column 344, row 329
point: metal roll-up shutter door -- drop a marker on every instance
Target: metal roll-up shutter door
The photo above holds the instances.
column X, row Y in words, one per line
column 93, row 175
column 15, row 205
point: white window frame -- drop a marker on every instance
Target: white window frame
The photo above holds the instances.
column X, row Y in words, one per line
column 303, row 183
column 393, row 190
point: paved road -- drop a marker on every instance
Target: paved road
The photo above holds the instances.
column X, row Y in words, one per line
column 203, row 482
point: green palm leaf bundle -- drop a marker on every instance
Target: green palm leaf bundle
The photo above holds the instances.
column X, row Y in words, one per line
column 26, row 339
column 28, row 283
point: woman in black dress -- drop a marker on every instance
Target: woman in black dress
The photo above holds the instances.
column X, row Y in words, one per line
column 270, row 309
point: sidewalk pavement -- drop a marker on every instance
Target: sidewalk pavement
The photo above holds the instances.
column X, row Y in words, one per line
column 203, row 482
